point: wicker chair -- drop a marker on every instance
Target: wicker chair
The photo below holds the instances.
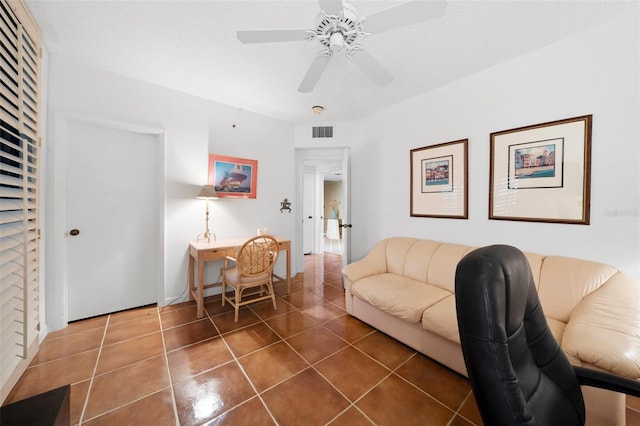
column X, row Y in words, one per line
column 253, row 271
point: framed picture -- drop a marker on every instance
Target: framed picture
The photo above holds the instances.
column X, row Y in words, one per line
column 542, row 173
column 233, row 177
column 439, row 180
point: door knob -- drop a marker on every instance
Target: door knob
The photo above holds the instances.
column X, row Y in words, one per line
column 347, row 225
column 310, row 217
column 74, row 232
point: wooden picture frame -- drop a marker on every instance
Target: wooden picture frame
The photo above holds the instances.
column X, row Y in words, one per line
column 439, row 180
column 542, row 172
column 233, row 176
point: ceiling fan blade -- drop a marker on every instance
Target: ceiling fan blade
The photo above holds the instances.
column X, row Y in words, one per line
column 409, row 13
column 331, row 7
column 270, row 36
column 314, row 72
column 370, row 66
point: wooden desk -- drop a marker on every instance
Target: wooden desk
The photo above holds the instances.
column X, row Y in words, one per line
column 201, row 252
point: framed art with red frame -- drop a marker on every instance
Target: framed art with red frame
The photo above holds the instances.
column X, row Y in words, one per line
column 233, row 177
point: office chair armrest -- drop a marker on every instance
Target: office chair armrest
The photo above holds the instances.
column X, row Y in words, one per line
column 604, row 380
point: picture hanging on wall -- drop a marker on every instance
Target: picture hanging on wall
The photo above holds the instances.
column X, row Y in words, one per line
column 542, row 173
column 233, row 177
column 439, row 180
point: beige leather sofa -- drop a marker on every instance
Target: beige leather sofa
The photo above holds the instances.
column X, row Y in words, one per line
column 404, row 287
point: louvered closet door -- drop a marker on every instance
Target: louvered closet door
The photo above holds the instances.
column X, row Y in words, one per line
column 19, row 193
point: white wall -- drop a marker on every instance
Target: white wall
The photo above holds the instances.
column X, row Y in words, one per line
column 193, row 128
column 595, row 72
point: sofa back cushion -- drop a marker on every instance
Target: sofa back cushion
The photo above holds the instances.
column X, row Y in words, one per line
column 396, row 253
column 442, row 268
column 418, row 259
column 535, row 262
column 564, row 281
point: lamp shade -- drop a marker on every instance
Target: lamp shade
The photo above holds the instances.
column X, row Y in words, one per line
column 207, row 192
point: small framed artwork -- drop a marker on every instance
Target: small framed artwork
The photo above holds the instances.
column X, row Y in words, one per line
column 542, row 173
column 439, row 180
column 233, row 176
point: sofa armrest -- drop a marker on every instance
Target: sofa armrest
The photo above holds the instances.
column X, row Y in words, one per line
column 604, row 328
column 375, row 262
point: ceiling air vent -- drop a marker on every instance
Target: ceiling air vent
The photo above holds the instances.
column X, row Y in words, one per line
column 322, row 132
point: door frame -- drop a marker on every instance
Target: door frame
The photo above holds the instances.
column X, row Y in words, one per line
column 55, row 295
column 342, row 154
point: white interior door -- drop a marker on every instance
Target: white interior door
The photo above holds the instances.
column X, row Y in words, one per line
column 309, row 217
column 346, row 212
column 114, row 208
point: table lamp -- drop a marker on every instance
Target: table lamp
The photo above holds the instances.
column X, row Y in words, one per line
column 207, row 192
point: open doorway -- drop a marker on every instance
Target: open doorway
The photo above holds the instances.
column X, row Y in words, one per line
column 322, row 217
column 332, row 213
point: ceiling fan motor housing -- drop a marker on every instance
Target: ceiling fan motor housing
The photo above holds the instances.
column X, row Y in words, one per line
column 336, row 31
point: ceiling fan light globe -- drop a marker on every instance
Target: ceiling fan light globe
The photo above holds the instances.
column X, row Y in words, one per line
column 336, row 42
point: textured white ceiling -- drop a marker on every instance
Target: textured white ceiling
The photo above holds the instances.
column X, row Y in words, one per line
column 191, row 46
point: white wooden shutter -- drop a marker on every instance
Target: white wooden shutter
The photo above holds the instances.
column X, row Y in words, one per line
column 19, row 191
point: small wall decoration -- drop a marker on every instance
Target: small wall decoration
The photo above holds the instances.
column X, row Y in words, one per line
column 439, row 180
column 233, row 177
column 542, row 173
column 285, row 205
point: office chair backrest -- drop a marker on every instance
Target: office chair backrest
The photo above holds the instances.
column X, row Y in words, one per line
column 518, row 372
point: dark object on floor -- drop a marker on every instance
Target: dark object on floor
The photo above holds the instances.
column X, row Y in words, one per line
column 47, row 409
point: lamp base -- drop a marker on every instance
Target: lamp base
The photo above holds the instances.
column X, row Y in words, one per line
column 206, row 236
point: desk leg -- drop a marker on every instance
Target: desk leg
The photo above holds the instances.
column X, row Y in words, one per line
column 190, row 278
column 200, row 293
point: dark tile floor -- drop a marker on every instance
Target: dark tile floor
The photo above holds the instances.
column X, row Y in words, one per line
column 306, row 363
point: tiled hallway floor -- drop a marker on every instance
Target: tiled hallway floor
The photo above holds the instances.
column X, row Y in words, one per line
column 308, row 363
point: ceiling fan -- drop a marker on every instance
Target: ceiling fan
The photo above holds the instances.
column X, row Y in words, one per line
column 339, row 26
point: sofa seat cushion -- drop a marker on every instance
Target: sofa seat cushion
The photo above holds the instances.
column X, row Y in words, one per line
column 441, row 319
column 399, row 296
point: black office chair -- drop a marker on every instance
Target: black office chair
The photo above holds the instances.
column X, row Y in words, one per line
column 518, row 372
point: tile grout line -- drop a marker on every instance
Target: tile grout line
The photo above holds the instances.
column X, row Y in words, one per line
column 423, row 392
column 353, row 404
column 464, row 401
column 312, row 365
column 235, row 359
column 166, row 362
column 283, row 340
column 394, row 372
column 93, row 374
column 125, row 366
column 124, row 404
